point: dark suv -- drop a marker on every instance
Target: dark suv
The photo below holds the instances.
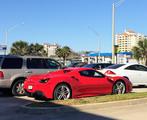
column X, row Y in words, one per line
column 15, row 69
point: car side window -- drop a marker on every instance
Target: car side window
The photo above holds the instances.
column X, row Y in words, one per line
column 12, row 63
column 141, row 68
column 42, row 63
column 35, row 63
column 137, row 67
column 84, row 73
column 91, row 73
column 132, row 67
column 51, row 64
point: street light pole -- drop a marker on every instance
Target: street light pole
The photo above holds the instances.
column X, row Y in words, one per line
column 114, row 5
column 113, row 32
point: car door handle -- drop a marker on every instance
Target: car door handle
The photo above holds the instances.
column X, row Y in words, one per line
column 28, row 71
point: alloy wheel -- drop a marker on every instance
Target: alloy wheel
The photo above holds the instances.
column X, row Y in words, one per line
column 62, row 92
column 17, row 89
column 119, row 88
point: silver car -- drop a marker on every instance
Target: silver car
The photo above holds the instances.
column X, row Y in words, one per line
column 15, row 69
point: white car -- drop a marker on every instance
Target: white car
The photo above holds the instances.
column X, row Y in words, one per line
column 136, row 73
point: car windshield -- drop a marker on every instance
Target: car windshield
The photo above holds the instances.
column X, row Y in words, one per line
column 114, row 66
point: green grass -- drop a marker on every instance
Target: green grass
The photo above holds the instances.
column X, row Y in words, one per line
column 88, row 100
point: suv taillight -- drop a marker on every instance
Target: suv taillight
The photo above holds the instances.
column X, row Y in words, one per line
column 1, row 75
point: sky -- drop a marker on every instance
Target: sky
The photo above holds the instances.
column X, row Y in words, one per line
column 83, row 25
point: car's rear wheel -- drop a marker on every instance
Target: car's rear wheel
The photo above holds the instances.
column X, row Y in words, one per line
column 62, row 92
column 119, row 88
column 17, row 88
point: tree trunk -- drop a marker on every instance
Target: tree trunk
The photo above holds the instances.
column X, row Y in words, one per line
column 146, row 61
column 64, row 60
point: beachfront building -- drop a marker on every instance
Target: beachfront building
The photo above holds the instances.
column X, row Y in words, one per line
column 50, row 49
column 127, row 40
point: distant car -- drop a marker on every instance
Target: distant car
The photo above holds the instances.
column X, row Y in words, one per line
column 75, row 83
column 15, row 69
column 76, row 64
column 97, row 66
column 136, row 73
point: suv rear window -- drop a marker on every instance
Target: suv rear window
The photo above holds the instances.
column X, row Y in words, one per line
column 12, row 63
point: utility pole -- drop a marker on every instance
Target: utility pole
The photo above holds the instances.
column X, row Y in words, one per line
column 114, row 5
column 113, row 32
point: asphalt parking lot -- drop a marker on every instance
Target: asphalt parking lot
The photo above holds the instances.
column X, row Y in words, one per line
column 11, row 109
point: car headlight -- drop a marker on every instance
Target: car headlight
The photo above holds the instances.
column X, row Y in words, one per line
column 44, row 80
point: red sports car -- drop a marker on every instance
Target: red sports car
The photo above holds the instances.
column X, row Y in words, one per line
column 75, row 83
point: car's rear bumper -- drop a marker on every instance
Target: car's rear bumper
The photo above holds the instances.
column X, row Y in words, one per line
column 40, row 90
column 37, row 94
column 4, row 83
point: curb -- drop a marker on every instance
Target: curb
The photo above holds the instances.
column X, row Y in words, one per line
column 62, row 108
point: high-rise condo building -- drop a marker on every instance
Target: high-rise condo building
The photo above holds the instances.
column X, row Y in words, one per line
column 127, row 40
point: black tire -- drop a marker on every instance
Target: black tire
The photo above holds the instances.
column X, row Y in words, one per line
column 119, row 87
column 62, row 92
column 17, row 88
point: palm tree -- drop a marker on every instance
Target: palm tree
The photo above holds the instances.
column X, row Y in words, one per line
column 58, row 52
column 136, row 53
column 19, row 48
column 37, row 50
column 22, row 48
column 63, row 53
column 140, row 51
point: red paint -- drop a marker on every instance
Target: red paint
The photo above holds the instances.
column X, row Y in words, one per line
column 81, row 86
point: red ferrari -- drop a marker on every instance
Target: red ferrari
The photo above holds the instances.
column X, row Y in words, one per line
column 74, row 83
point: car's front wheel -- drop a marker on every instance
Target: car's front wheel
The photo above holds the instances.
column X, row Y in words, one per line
column 62, row 92
column 17, row 88
column 119, row 88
